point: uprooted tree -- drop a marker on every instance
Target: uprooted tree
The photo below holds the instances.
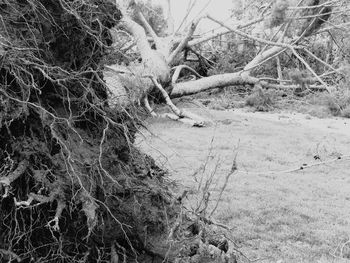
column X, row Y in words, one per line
column 290, row 24
column 73, row 187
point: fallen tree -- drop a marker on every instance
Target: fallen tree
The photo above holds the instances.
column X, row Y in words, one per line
column 157, row 60
column 73, row 186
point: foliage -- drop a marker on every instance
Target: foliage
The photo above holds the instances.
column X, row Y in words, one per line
column 300, row 77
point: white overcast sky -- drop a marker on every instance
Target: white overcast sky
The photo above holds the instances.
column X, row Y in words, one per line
column 217, row 8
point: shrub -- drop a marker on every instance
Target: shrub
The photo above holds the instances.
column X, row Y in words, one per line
column 346, row 112
column 338, row 103
column 278, row 13
column 261, row 100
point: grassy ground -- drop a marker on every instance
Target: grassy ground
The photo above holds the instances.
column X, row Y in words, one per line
column 317, row 104
column 276, row 215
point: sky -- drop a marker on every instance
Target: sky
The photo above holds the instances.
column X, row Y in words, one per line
column 219, row 9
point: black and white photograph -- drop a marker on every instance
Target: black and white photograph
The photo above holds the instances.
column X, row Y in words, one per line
column 175, row 131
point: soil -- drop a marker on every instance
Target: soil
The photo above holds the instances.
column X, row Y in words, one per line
column 278, row 211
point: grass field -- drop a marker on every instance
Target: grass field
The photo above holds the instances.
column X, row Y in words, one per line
column 276, row 215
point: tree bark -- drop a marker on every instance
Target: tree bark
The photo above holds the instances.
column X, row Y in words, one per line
column 216, row 81
column 154, row 62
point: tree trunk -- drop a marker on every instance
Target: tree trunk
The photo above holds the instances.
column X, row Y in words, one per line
column 154, row 62
column 216, row 81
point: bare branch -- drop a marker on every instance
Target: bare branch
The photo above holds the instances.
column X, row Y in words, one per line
column 148, row 27
column 184, row 42
column 148, row 107
column 261, row 40
column 217, row 34
column 311, row 70
column 321, row 61
column 342, row 26
column 175, row 109
column 329, row 3
column 189, row 9
column 170, row 20
column 180, row 113
column 178, row 70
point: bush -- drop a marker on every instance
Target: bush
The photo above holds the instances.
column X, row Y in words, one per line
column 338, row 103
column 346, row 112
column 278, row 13
column 261, row 100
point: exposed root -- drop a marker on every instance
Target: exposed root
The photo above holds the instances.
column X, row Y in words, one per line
column 9, row 255
column 71, row 181
column 21, row 168
column 60, row 206
column 114, row 255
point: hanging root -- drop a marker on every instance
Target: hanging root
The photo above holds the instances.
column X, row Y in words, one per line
column 41, row 199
